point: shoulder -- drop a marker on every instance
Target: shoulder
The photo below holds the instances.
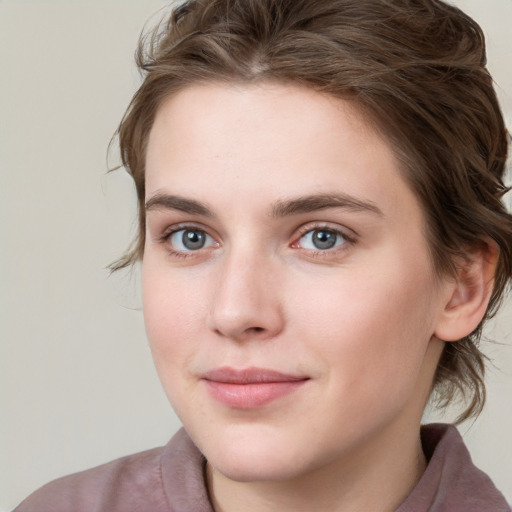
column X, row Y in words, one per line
column 451, row 482
column 132, row 483
column 109, row 484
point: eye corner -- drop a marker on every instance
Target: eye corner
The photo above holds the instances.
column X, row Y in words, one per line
column 185, row 240
column 323, row 240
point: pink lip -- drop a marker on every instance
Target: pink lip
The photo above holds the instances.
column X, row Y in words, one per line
column 251, row 387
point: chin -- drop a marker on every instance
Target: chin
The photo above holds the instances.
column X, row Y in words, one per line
column 248, row 468
column 256, row 454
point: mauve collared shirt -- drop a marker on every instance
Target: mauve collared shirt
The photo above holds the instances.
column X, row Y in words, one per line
column 171, row 479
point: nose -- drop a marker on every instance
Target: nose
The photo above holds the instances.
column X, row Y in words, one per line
column 246, row 301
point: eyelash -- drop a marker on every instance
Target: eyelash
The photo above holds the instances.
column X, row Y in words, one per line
column 168, row 233
column 349, row 240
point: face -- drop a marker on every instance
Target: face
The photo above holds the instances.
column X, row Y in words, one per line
column 289, row 298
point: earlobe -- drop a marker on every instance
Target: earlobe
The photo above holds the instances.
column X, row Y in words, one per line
column 468, row 294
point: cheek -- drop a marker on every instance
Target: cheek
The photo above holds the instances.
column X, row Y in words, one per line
column 371, row 328
column 172, row 315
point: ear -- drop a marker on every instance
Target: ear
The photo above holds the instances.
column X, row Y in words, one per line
column 468, row 295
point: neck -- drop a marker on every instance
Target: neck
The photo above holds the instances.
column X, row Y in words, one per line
column 378, row 477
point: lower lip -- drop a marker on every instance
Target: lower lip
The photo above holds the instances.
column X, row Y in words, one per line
column 251, row 395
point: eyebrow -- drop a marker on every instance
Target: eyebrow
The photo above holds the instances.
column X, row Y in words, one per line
column 282, row 208
column 312, row 203
column 170, row 202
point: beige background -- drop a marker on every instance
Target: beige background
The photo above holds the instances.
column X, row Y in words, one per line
column 76, row 377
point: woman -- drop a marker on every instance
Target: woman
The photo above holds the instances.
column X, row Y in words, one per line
column 322, row 238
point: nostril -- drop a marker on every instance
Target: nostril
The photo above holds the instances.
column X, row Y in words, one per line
column 257, row 329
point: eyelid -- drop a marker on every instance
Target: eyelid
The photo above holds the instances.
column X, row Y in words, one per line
column 170, row 230
column 180, row 245
column 166, row 235
column 347, row 234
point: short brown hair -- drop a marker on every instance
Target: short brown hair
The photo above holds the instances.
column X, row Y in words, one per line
column 417, row 67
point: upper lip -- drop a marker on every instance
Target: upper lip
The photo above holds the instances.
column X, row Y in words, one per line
column 249, row 376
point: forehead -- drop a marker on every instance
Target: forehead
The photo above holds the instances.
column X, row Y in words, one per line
column 269, row 141
column 263, row 110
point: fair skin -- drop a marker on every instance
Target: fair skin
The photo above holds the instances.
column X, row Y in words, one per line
column 281, row 237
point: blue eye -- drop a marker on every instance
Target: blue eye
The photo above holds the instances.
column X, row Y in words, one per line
column 186, row 240
column 321, row 239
